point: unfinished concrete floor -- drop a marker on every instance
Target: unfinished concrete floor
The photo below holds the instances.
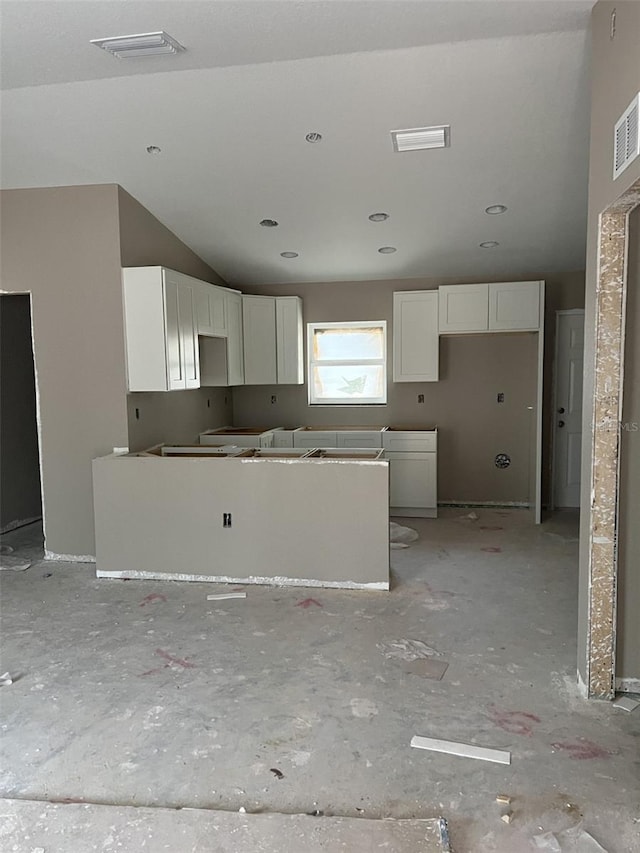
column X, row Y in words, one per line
column 142, row 693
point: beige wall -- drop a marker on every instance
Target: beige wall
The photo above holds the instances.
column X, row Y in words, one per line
column 615, row 79
column 62, row 245
column 628, row 652
column 473, row 370
column 20, row 468
column 178, row 416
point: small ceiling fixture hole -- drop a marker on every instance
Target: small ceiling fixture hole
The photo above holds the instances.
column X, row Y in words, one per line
column 495, row 209
column 379, row 217
column 268, row 223
column 313, row 137
column 288, row 254
column 387, row 250
column 489, row 244
column 153, row 149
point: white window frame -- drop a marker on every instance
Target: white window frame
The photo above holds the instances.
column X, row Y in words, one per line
column 311, row 363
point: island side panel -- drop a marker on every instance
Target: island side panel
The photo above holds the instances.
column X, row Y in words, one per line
column 315, row 521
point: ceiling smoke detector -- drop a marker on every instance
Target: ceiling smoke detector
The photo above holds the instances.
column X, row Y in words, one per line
column 142, row 44
column 419, row 138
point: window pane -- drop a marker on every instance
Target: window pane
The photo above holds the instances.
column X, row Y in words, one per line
column 348, row 343
column 349, row 382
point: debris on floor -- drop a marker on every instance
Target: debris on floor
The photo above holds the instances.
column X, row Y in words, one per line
column 471, row 516
column 408, row 650
column 5, row 680
column 426, row 668
column 222, row 596
column 505, row 799
column 401, row 537
column 277, row 773
column 465, row 750
column 627, row 703
column 573, row 840
column 507, row 817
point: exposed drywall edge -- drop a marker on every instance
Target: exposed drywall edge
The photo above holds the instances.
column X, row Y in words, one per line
column 628, row 685
column 280, row 581
column 19, row 522
column 68, row 558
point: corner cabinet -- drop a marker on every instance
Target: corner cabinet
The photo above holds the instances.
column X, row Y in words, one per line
column 161, row 329
column 273, row 348
column 415, row 336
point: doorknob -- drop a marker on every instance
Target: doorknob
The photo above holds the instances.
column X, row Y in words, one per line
column 560, row 424
column 561, row 410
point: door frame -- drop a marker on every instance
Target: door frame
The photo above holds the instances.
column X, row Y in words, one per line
column 554, row 397
column 604, row 444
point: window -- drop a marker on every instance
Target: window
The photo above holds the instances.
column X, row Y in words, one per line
column 347, row 363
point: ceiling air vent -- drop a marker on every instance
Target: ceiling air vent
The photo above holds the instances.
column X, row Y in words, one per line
column 142, row 44
column 419, row 138
column 626, row 140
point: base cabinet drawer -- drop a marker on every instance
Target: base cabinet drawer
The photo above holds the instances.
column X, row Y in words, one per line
column 413, row 483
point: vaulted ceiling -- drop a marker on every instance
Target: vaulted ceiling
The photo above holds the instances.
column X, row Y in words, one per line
column 231, row 112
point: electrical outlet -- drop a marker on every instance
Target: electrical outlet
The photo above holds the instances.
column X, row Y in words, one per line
column 226, row 519
column 137, row 414
column 274, row 399
column 501, row 397
column 421, row 398
column 208, row 404
column 226, row 400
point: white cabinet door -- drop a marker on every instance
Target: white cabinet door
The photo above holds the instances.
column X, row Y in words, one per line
column 210, row 309
column 188, row 333
column 175, row 368
column 259, row 330
column 314, row 438
column 365, row 438
column 289, row 340
column 463, row 308
column 415, row 336
column 413, row 483
column 514, row 305
column 235, row 347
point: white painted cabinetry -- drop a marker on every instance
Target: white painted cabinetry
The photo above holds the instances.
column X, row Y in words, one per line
column 413, row 472
column 464, row 308
column 515, row 305
column 235, row 345
column 272, row 327
column 512, row 306
column 160, row 329
column 211, row 310
column 289, row 347
column 415, row 336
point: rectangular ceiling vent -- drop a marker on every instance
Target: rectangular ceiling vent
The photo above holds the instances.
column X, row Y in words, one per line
column 142, row 44
column 419, row 138
column 626, row 140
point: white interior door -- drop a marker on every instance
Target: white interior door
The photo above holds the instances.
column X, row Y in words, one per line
column 568, row 408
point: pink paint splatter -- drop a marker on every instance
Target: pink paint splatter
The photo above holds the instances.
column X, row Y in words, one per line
column 491, row 527
column 492, row 549
column 172, row 659
column 154, row 596
column 307, row 602
column 514, row 722
column 581, row 749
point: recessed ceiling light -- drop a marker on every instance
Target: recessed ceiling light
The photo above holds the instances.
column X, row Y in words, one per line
column 418, row 138
column 489, row 244
column 153, row 149
column 268, row 223
column 494, row 209
column 141, row 44
column 288, row 254
column 379, row 217
column 313, row 137
column 387, row 250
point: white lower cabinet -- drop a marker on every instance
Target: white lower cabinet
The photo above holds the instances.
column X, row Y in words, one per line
column 413, row 483
column 353, row 438
column 314, row 438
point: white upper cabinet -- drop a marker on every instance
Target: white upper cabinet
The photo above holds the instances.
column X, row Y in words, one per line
column 415, row 336
column 160, row 328
column 464, row 308
column 272, row 327
column 235, row 349
column 211, row 310
column 511, row 306
column 514, row 305
column 289, row 346
column 259, row 328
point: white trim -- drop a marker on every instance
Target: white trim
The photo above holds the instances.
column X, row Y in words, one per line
column 68, row 558
column 465, row 750
column 539, row 404
column 628, row 685
column 279, row 581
